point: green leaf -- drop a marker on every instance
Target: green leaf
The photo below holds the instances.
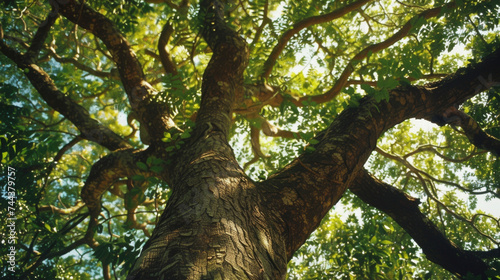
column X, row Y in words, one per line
column 170, row 148
column 157, row 169
column 142, row 166
column 47, row 226
column 138, row 178
column 185, row 135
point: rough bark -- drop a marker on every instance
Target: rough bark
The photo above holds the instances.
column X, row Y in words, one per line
column 218, row 224
column 305, row 190
column 89, row 128
column 215, row 224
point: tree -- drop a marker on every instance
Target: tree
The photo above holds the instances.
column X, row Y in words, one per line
column 339, row 80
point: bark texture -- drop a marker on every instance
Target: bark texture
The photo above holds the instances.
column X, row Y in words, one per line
column 219, row 224
column 215, row 225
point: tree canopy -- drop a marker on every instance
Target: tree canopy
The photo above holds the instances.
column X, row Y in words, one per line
column 366, row 134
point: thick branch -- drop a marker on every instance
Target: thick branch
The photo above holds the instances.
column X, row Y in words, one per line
column 40, row 36
column 90, row 128
column 304, row 191
column 479, row 137
column 404, row 210
column 129, row 67
column 154, row 117
column 104, row 174
column 109, row 169
column 494, row 253
column 283, row 41
column 223, row 78
column 473, row 131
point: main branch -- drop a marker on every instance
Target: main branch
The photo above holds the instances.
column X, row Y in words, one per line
column 305, row 190
column 154, row 117
column 223, row 78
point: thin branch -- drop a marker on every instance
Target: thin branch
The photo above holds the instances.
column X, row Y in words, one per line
column 47, row 254
column 265, row 20
column 477, row 30
column 68, row 211
column 403, row 161
column 432, row 148
column 349, row 69
column 283, row 41
column 166, row 60
column 60, row 154
column 101, row 74
column 432, row 193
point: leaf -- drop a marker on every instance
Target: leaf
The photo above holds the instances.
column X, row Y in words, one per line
column 387, row 82
column 380, row 95
column 142, row 166
column 157, row 169
column 150, row 160
column 138, row 178
column 47, row 226
column 313, row 141
column 367, row 88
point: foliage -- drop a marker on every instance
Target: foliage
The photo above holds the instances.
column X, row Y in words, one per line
column 451, row 177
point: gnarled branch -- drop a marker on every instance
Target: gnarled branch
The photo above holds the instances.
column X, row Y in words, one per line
column 349, row 69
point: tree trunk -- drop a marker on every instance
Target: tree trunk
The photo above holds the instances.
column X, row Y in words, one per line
column 215, row 225
column 219, row 224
